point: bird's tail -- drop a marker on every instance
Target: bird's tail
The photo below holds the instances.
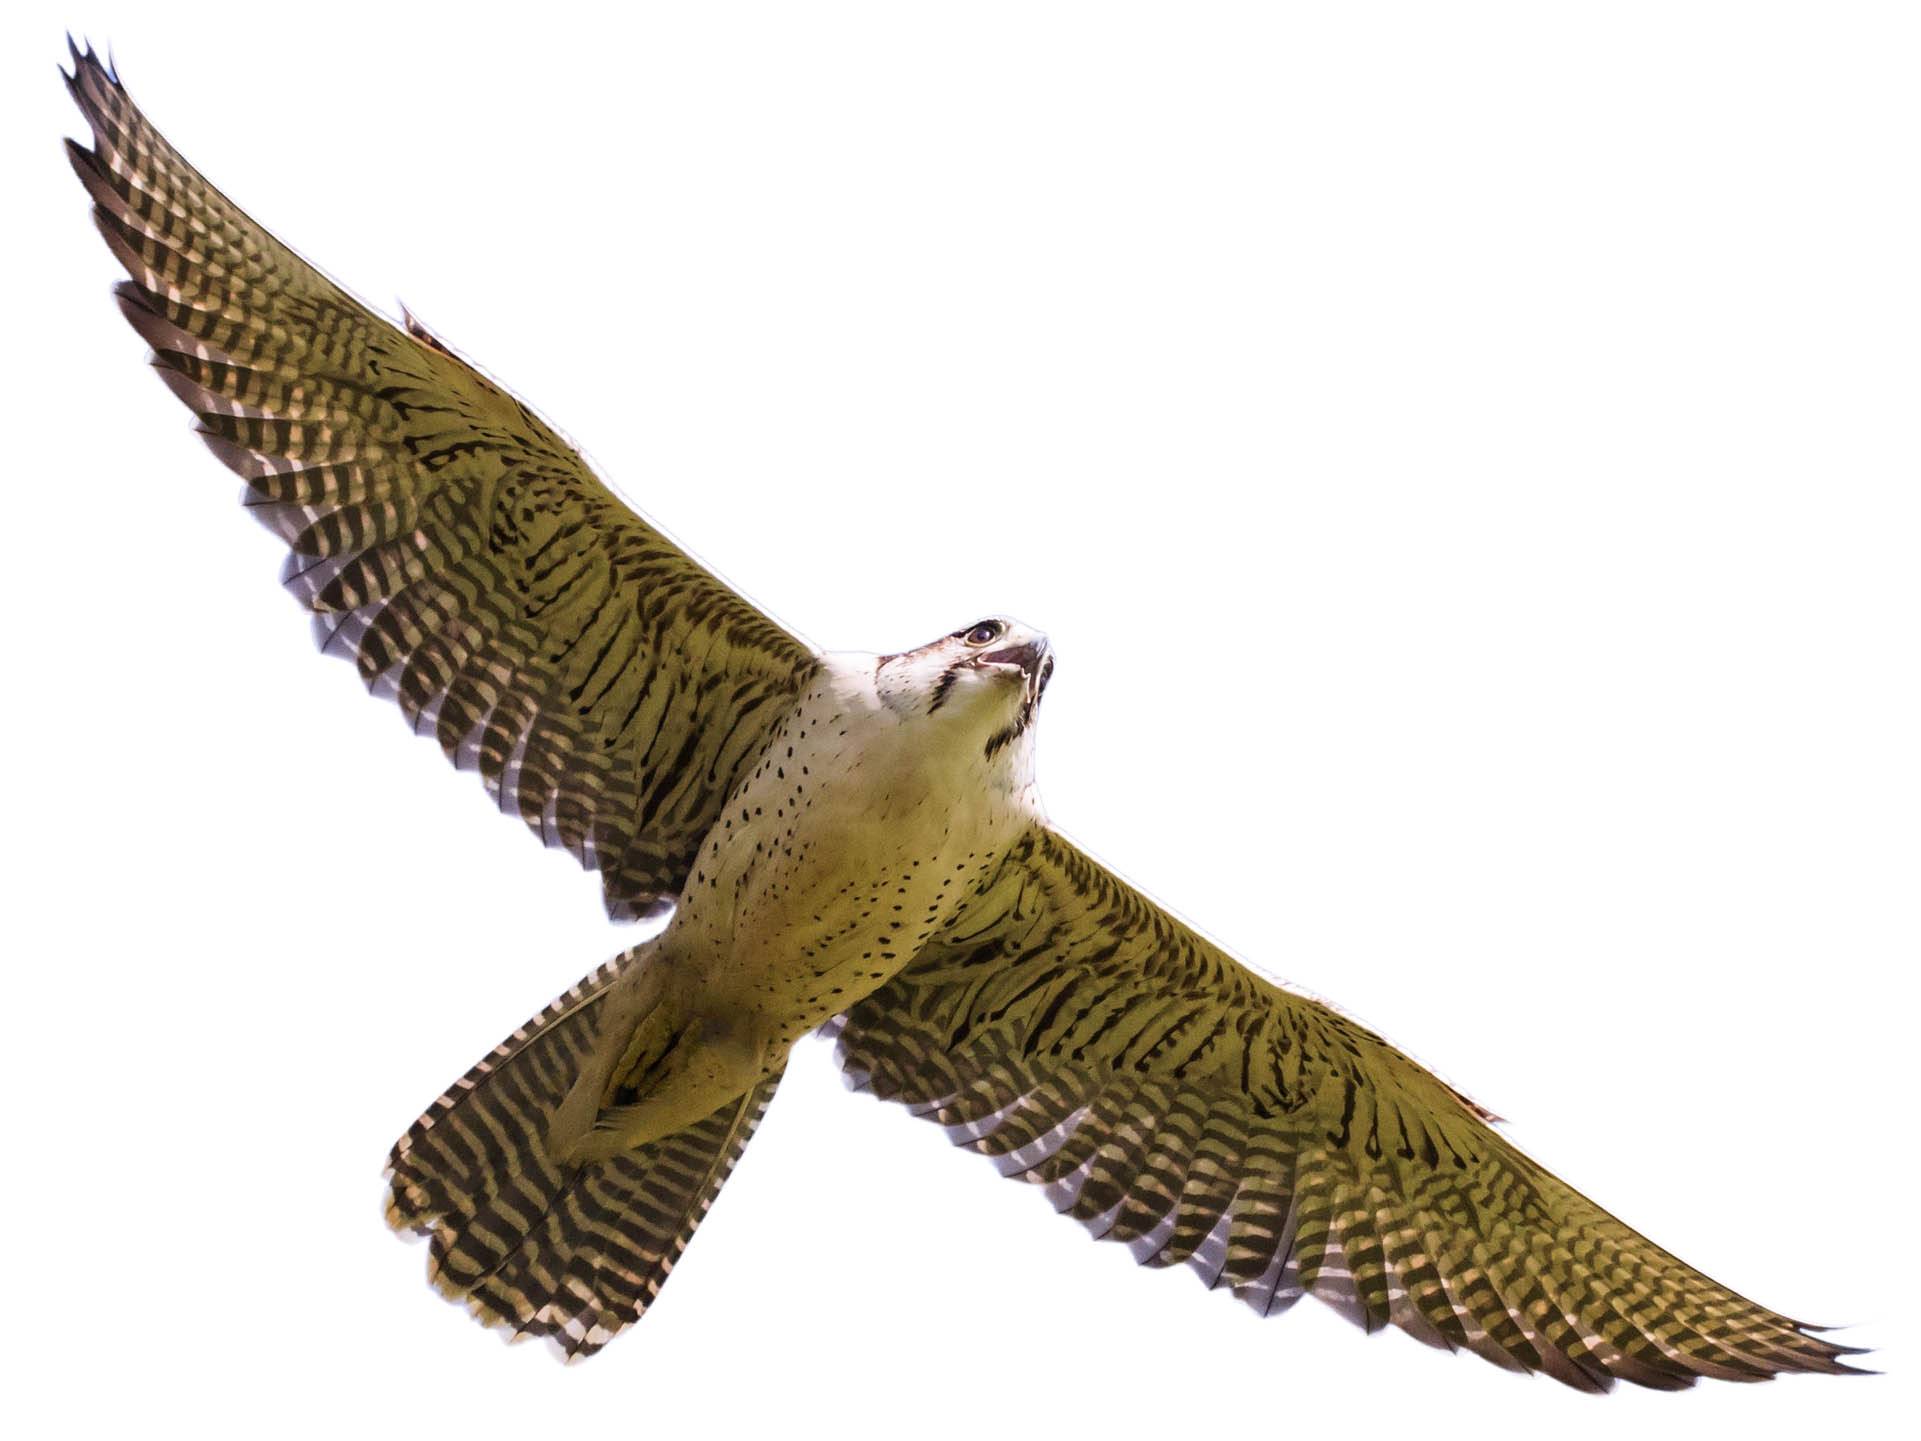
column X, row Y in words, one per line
column 577, row 1251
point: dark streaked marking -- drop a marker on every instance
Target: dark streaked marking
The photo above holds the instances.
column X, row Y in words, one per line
column 1088, row 1040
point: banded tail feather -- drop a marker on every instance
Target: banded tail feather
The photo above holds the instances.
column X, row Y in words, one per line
column 572, row 1251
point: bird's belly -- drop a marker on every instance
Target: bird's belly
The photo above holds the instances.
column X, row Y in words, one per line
column 794, row 918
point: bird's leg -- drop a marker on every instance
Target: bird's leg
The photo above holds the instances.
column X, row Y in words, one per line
column 635, row 1029
column 677, row 1067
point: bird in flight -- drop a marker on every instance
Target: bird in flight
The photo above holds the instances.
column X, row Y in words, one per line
column 847, row 842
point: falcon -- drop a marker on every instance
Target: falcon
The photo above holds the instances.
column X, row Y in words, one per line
column 847, row 842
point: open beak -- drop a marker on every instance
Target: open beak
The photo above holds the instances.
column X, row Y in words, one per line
column 1033, row 657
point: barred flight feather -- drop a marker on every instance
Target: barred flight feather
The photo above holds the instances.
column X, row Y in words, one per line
column 575, row 1253
column 1169, row 1098
column 607, row 688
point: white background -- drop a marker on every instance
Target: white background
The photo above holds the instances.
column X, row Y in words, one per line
column 1465, row 456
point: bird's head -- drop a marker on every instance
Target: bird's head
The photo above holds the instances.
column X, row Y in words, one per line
column 986, row 678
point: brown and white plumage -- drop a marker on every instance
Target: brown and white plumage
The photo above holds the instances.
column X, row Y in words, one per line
column 846, row 840
column 1173, row 1100
column 607, row 688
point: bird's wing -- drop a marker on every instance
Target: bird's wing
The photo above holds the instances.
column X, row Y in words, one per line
column 606, row 687
column 1172, row 1099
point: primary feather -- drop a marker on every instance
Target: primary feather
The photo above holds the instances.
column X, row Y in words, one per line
column 607, row 688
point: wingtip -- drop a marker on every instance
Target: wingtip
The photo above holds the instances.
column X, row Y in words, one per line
column 84, row 56
column 1814, row 1329
column 84, row 160
column 92, row 84
column 1837, row 1349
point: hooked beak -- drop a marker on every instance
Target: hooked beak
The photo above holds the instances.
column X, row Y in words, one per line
column 1034, row 658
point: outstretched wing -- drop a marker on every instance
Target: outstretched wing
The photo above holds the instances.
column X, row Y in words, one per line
column 607, row 688
column 1172, row 1099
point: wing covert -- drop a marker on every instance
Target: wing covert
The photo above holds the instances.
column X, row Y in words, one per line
column 1172, row 1099
column 607, row 688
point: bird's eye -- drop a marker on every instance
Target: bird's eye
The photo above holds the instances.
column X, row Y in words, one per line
column 985, row 632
